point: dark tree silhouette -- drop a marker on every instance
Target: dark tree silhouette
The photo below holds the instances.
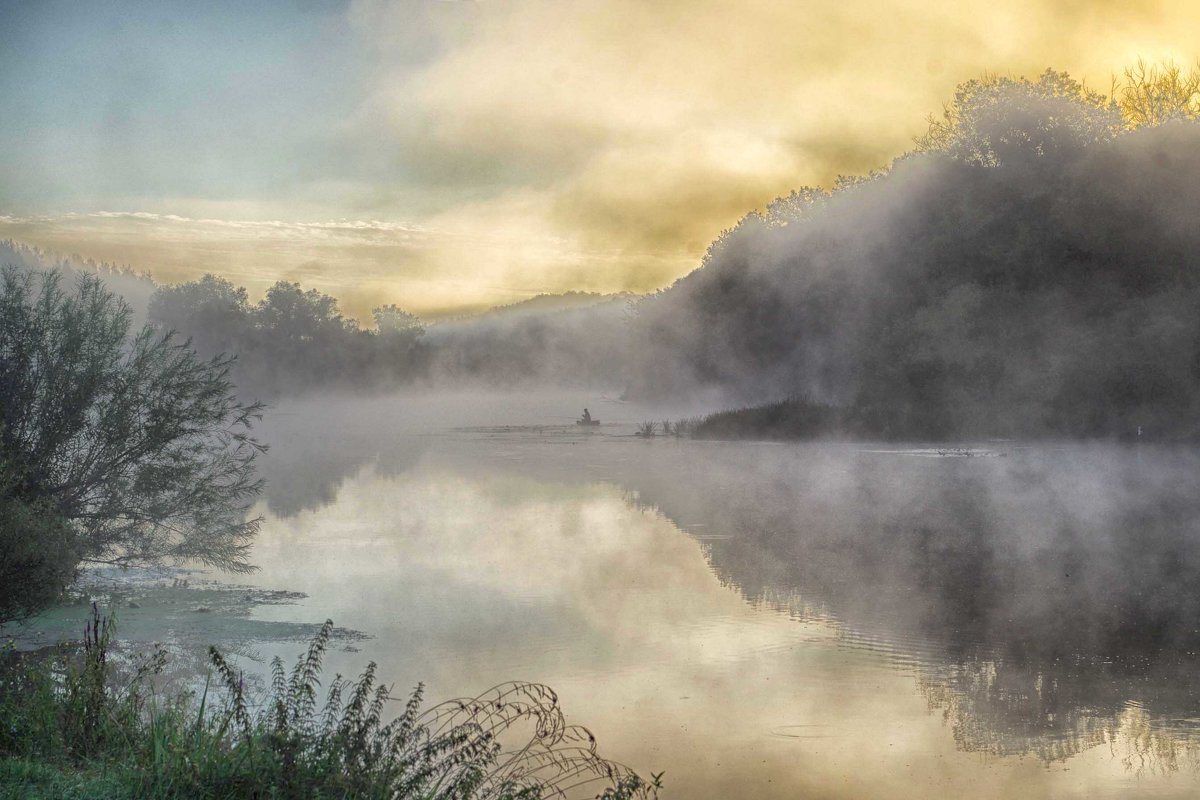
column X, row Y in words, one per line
column 137, row 443
column 212, row 311
column 294, row 340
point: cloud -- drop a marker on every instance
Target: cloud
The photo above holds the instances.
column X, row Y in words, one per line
column 638, row 131
column 529, row 146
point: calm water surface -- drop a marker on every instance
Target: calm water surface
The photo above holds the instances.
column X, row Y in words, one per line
column 765, row 621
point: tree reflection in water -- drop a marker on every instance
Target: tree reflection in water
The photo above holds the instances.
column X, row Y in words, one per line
column 1047, row 602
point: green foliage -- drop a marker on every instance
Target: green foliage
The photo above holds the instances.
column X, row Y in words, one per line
column 63, row 726
column 36, row 780
column 66, row 707
column 39, row 551
column 136, row 443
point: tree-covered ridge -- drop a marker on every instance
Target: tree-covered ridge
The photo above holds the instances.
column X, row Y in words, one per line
column 1032, row 268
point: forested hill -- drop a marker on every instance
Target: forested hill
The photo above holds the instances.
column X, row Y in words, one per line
column 1033, row 269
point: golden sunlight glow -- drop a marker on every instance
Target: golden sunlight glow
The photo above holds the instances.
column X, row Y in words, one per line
column 601, row 145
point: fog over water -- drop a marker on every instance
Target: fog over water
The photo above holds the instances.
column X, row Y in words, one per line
column 888, row 486
column 828, row 620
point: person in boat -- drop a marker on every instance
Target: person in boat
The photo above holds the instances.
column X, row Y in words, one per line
column 587, row 416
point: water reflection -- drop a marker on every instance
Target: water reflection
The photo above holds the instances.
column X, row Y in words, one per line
column 1053, row 588
column 308, row 475
column 879, row 624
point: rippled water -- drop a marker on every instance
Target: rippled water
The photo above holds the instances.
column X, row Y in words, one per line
column 765, row 621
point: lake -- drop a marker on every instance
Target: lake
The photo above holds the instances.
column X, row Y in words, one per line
column 757, row 620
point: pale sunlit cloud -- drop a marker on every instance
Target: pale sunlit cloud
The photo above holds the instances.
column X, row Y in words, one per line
column 636, row 132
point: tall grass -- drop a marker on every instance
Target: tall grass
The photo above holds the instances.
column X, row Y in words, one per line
column 687, row 426
column 67, row 728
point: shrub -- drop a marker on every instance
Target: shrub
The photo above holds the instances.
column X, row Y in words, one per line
column 38, row 551
column 63, row 718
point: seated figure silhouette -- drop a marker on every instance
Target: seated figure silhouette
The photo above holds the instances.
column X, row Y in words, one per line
column 587, row 416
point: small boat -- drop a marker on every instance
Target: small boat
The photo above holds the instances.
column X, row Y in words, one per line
column 588, row 422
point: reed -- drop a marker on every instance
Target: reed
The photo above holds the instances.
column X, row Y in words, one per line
column 797, row 417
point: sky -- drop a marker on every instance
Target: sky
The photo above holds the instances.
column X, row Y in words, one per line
column 449, row 155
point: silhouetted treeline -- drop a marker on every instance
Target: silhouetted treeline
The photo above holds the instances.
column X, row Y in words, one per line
column 1032, row 269
column 293, row 340
column 296, row 340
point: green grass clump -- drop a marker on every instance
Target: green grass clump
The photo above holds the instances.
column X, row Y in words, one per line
column 66, row 730
column 33, row 780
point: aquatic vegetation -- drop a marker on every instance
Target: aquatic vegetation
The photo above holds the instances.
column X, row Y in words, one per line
column 65, row 724
column 797, row 417
column 687, row 426
column 645, row 429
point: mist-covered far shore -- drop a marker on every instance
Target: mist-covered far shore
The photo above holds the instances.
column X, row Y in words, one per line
column 1030, row 269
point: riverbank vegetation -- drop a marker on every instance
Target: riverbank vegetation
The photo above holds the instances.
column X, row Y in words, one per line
column 70, row 728
column 116, row 448
column 1028, row 270
column 129, row 449
column 793, row 418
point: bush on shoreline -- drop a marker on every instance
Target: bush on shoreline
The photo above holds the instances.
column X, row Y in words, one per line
column 68, row 730
column 117, row 446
